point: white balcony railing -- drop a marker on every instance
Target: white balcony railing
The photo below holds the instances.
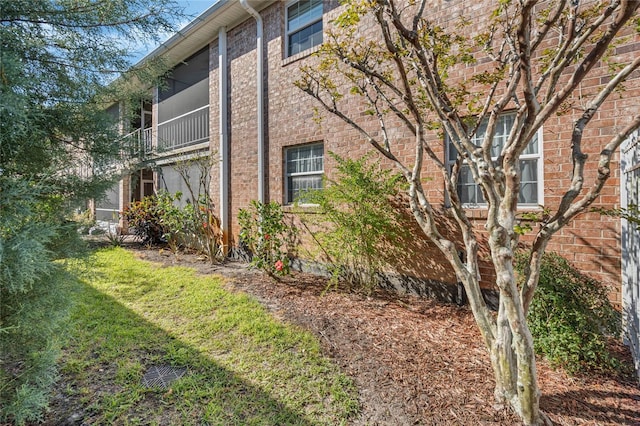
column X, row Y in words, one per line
column 184, row 130
column 138, row 143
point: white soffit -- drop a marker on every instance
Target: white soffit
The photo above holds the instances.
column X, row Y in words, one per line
column 204, row 29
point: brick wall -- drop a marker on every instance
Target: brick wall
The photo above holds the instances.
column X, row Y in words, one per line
column 592, row 242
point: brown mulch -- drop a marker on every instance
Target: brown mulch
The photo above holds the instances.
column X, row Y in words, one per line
column 417, row 361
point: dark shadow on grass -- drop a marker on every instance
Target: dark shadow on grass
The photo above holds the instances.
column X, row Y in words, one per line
column 82, row 390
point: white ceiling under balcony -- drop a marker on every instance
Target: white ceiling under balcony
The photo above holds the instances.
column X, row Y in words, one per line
column 204, row 29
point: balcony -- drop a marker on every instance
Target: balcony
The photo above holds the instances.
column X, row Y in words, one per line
column 184, row 130
column 176, row 134
column 137, row 144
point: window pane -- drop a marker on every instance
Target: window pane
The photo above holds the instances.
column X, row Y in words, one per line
column 305, row 165
column 453, row 153
column 503, row 127
column 304, row 25
column 528, row 182
column 305, row 39
column 470, row 193
column 299, row 184
column 467, row 188
column 477, row 138
column 532, row 148
column 303, row 12
column 305, row 159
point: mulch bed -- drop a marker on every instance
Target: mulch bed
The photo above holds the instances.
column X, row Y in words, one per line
column 417, row 361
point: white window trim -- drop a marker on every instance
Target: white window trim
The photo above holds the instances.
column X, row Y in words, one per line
column 300, row 28
column 539, row 169
column 287, row 175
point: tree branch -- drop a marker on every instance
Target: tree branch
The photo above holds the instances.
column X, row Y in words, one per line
column 627, row 11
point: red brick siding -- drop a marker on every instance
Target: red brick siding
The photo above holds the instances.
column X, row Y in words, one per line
column 591, row 242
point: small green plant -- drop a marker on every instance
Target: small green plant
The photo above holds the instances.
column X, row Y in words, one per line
column 269, row 238
column 571, row 317
column 114, row 237
column 203, row 225
column 194, row 225
column 359, row 227
column 208, row 229
column 160, row 219
column 172, row 218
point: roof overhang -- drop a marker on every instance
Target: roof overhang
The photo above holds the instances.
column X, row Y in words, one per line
column 198, row 33
column 203, row 29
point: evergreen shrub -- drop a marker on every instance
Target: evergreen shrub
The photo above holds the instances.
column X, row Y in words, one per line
column 571, row 318
column 33, row 298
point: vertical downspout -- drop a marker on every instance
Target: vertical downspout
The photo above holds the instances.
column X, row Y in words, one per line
column 223, row 92
column 124, row 186
column 155, row 110
column 260, row 90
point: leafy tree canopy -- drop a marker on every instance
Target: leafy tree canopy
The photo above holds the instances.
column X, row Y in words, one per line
column 63, row 63
column 57, row 60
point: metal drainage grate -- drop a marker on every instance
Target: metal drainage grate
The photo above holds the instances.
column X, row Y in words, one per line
column 162, row 375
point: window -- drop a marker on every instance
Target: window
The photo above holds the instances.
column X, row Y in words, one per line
column 304, row 169
column 530, row 167
column 304, row 25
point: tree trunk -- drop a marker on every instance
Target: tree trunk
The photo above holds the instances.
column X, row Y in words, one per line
column 514, row 364
column 503, row 359
column 513, row 356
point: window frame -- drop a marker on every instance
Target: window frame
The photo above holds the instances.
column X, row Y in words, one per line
column 287, row 175
column 288, row 33
column 539, row 157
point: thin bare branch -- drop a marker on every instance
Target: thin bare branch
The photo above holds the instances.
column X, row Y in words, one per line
column 627, row 10
column 419, row 14
column 548, row 24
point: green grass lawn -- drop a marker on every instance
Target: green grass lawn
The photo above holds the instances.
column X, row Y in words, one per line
column 243, row 366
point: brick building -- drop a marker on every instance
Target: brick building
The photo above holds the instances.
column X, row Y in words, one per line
column 231, row 97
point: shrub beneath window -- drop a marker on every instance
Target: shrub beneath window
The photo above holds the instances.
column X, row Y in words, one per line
column 359, row 227
column 269, row 238
column 571, row 318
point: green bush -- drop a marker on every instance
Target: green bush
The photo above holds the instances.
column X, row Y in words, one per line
column 358, row 226
column 159, row 219
column 144, row 217
column 571, row 317
column 33, row 297
column 195, row 225
column 264, row 231
column 170, row 217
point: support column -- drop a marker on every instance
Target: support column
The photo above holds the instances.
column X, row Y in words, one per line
column 124, row 202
